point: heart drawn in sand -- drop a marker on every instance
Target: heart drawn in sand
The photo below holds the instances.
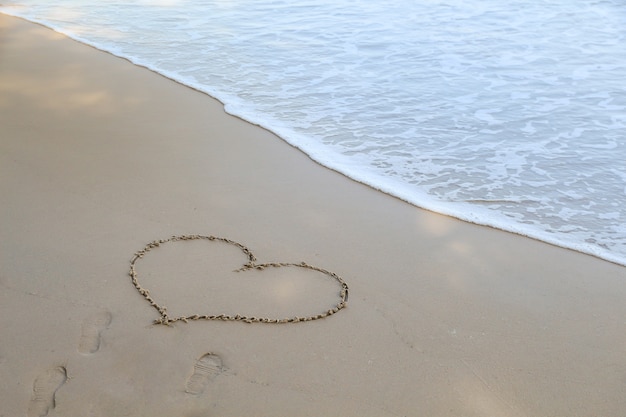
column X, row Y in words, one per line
column 251, row 264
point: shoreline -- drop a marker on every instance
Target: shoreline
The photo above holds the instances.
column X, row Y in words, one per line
column 465, row 211
column 99, row 157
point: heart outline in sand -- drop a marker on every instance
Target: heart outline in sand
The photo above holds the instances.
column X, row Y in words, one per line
column 251, row 264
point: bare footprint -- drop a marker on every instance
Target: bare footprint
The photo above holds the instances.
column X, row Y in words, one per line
column 205, row 369
column 91, row 331
column 44, row 390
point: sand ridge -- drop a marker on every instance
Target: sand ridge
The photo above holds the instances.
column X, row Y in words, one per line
column 250, row 265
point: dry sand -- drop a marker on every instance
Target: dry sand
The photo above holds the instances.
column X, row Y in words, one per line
column 98, row 157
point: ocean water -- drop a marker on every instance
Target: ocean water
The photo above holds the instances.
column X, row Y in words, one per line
column 510, row 113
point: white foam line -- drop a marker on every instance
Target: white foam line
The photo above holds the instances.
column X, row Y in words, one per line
column 342, row 165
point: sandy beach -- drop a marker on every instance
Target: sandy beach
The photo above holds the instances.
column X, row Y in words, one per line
column 99, row 157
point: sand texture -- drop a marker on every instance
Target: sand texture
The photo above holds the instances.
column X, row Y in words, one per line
column 99, row 157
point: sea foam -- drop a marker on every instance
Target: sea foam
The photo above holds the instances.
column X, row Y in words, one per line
column 507, row 114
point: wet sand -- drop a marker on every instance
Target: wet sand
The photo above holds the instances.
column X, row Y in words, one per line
column 99, row 157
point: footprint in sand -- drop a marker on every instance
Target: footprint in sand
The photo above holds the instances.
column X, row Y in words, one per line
column 44, row 390
column 205, row 369
column 91, row 331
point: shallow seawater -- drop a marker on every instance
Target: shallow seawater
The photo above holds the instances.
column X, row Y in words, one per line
column 510, row 114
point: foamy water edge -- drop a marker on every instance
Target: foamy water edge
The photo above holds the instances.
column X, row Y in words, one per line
column 344, row 165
